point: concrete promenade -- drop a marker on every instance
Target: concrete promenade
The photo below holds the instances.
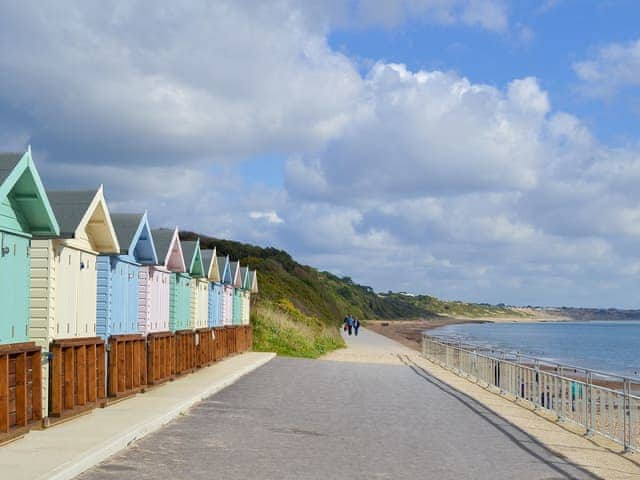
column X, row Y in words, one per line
column 64, row 451
column 362, row 413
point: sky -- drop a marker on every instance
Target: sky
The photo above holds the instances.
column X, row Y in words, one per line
column 481, row 150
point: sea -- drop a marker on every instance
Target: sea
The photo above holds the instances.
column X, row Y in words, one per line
column 608, row 346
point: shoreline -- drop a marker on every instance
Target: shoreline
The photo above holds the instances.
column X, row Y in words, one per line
column 409, row 332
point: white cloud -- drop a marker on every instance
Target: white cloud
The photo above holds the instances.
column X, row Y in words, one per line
column 611, row 68
column 413, row 180
column 269, row 216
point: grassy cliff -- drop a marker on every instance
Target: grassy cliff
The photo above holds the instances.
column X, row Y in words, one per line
column 299, row 309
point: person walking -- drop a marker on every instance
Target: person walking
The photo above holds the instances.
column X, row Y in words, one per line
column 349, row 324
column 356, row 326
column 345, row 323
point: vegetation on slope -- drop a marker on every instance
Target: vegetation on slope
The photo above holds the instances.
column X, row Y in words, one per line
column 299, row 308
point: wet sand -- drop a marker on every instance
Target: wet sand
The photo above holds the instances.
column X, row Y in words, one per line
column 409, row 332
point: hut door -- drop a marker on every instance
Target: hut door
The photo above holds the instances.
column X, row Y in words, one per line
column 14, row 288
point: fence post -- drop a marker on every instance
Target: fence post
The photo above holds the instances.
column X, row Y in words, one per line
column 626, row 414
column 591, row 406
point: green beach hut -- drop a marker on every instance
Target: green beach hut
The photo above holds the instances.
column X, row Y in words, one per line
column 236, row 275
column 169, row 248
column 25, row 212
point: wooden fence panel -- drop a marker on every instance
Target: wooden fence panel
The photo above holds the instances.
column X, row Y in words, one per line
column 161, row 357
column 77, row 374
column 20, row 388
column 127, row 372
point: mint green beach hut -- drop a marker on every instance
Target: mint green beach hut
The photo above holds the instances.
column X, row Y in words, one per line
column 169, row 247
column 236, row 275
column 25, row 212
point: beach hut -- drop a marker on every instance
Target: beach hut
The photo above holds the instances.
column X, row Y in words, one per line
column 155, row 280
column 25, row 212
column 245, row 274
column 168, row 245
column 224, row 267
column 253, row 282
column 210, row 261
column 118, row 275
column 199, row 285
column 63, row 299
column 154, row 313
column 118, row 303
column 236, row 275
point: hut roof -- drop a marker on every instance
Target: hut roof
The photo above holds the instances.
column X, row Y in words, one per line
column 8, row 162
column 162, row 238
column 126, row 226
column 20, row 181
column 70, row 207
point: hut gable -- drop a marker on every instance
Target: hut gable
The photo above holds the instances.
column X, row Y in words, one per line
column 244, row 274
column 191, row 250
column 235, row 274
column 24, row 205
column 135, row 238
column 254, row 282
column 169, row 249
column 84, row 219
column 224, row 268
column 210, row 261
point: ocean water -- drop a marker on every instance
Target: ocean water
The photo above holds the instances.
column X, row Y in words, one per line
column 609, row 346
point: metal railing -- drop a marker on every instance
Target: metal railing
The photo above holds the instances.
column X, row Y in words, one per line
column 600, row 402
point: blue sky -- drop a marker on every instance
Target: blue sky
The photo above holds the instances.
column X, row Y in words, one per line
column 543, row 40
column 483, row 150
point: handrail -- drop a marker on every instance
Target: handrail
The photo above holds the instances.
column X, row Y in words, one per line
column 603, row 409
column 569, row 366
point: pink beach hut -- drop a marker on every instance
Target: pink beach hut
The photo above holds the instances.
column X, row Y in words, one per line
column 155, row 281
column 224, row 265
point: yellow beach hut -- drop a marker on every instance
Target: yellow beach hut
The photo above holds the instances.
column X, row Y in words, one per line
column 63, row 300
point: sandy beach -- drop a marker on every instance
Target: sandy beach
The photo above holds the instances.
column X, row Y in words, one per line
column 409, row 332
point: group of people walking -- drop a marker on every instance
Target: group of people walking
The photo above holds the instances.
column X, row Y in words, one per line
column 351, row 324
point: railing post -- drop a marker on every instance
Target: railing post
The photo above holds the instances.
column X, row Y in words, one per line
column 592, row 412
column 626, row 403
column 538, row 383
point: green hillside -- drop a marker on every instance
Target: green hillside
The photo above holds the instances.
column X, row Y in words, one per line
column 299, row 308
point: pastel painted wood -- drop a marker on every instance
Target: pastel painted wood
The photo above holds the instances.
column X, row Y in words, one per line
column 63, row 270
column 155, row 282
column 237, row 293
column 246, row 295
column 199, row 317
column 25, row 212
column 168, row 245
column 210, row 261
column 119, row 282
column 224, row 266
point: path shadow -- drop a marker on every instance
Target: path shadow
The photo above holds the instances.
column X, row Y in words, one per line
column 518, row 437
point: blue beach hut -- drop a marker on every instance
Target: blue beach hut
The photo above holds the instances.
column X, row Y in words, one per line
column 118, row 275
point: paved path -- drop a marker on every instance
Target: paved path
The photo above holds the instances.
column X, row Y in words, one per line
column 306, row 419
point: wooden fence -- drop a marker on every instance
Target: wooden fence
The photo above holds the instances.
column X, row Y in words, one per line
column 161, row 357
column 20, row 388
column 206, row 347
column 77, row 375
column 127, row 372
column 186, row 351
